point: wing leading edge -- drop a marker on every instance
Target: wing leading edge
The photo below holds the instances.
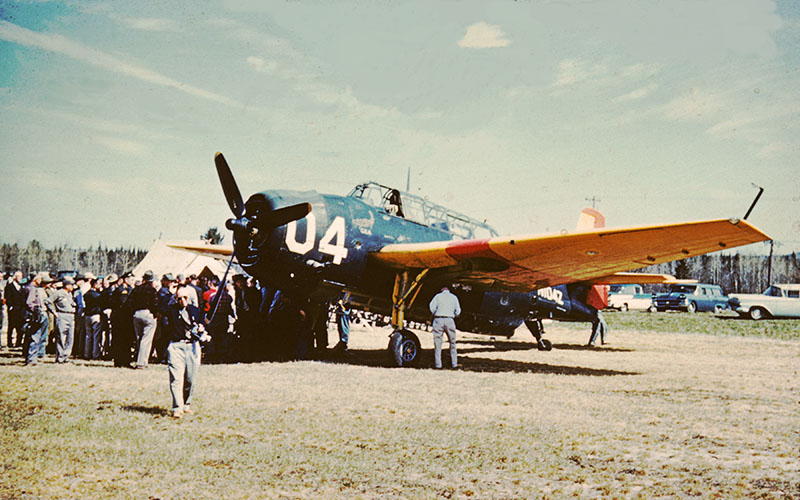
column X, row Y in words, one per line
column 536, row 261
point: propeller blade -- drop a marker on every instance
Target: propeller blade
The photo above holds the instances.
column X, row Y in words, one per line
column 229, row 186
column 285, row 215
column 220, row 290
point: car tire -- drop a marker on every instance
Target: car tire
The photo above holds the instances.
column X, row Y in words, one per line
column 623, row 307
column 718, row 309
column 691, row 308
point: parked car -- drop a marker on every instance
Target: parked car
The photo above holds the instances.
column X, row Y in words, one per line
column 625, row 297
column 691, row 298
column 779, row 301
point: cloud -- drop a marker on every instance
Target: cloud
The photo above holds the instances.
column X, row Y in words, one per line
column 290, row 65
column 695, row 104
column 637, row 94
column 61, row 45
column 262, row 66
column 484, row 36
column 149, row 23
column 572, row 71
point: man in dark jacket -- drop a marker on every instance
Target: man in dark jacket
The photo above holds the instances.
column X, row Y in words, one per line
column 15, row 296
column 184, row 331
column 123, row 338
column 143, row 304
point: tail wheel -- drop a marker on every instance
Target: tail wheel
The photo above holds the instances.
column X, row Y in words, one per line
column 404, row 348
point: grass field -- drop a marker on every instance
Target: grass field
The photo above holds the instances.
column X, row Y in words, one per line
column 660, row 412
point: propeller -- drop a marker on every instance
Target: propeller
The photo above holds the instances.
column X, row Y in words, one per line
column 263, row 221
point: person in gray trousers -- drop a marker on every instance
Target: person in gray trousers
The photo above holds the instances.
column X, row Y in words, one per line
column 62, row 305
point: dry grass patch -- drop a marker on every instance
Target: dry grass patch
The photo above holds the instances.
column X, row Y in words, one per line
column 651, row 415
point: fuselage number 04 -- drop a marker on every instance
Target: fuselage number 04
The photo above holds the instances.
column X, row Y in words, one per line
column 332, row 242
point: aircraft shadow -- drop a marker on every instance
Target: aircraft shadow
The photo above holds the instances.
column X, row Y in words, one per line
column 378, row 358
column 583, row 347
column 506, row 345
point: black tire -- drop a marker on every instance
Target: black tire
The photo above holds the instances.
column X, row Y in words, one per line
column 691, row 308
column 404, row 348
column 718, row 309
column 757, row 313
column 545, row 345
column 652, row 309
column 623, row 307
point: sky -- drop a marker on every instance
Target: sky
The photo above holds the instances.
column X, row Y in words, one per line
column 517, row 112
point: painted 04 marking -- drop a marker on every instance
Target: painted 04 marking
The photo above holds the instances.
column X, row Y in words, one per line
column 331, row 243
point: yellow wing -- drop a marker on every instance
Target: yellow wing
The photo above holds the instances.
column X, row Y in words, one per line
column 207, row 249
column 537, row 261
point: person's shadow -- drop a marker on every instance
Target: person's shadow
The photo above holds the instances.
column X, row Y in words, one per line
column 156, row 411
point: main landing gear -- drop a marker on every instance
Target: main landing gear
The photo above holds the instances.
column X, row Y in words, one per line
column 404, row 347
column 537, row 329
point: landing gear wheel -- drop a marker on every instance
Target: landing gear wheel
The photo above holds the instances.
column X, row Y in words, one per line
column 537, row 330
column 404, row 348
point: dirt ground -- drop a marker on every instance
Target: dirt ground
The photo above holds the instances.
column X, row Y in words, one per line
column 649, row 415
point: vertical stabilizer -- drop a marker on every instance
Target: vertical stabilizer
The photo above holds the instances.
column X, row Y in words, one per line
column 588, row 220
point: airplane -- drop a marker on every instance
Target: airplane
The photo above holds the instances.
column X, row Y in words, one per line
column 391, row 251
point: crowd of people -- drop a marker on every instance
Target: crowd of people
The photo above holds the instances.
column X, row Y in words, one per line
column 127, row 318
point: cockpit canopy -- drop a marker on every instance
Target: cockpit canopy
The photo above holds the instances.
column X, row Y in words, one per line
column 421, row 211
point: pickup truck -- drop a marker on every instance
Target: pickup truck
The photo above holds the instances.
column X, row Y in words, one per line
column 778, row 301
column 625, row 297
column 692, row 298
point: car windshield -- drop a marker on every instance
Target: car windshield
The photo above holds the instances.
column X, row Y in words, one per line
column 773, row 291
column 682, row 289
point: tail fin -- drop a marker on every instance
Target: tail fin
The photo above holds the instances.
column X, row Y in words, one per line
column 592, row 219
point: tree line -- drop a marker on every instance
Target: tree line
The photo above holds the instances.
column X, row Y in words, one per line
column 735, row 273
column 99, row 260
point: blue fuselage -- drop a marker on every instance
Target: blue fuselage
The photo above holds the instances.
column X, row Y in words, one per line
column 327, row 253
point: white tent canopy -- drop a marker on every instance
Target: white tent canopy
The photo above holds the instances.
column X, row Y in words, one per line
column 162, row 259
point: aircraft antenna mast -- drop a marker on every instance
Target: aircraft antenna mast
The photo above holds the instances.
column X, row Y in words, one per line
column 594, row 199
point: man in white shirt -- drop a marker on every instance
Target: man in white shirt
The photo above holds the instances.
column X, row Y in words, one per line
column 445, row 308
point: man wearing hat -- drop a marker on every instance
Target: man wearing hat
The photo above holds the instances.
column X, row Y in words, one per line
column 62, row 305
column 15, row 296
column 122, row 338
column 93, row 344
column 110, row 284
column 37, row 314
column 82, row 286
column 445, row 308
column 169, row 286
column 144, row 306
